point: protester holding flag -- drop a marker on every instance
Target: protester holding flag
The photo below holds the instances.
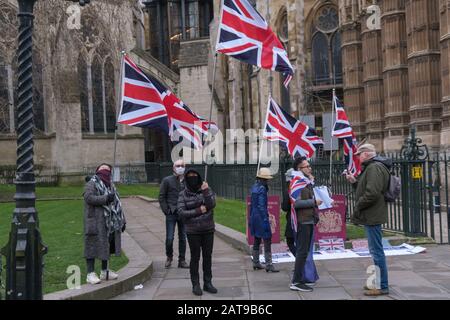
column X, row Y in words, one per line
column 304, row 219
column 259, row 224
column 195, row 205
column 371, row 209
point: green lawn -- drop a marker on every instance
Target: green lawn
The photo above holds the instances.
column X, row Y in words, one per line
column 61, row 224
column 7, row 191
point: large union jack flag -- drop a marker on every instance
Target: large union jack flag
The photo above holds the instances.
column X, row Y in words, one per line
column 246, row 36
column 297, row 137
column 297, row 184
column 344, row 131
column 148, row 103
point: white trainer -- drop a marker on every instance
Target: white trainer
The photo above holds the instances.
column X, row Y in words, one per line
column 111, row 275
column 92, row 278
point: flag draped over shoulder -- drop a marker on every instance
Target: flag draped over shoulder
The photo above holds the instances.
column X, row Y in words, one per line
column 344, row 131
column 297, row 137
column 246, row 36
column 147, row 103
column 297, row 184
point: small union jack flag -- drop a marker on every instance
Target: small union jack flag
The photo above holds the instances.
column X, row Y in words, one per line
column 331, row 244
column 343, row 130
column 149, row 104
column 297, row 184
column 297, row 137
column 246, row 36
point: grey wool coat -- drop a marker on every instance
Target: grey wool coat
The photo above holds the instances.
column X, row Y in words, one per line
column 97, row 243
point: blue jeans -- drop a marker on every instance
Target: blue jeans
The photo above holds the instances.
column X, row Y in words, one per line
column 171, row 221
column 374, row 237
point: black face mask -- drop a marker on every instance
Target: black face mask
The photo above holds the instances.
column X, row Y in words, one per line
column 193, row 183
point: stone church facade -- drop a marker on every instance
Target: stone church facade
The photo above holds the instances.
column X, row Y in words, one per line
column 76, row 74
column 388, row 61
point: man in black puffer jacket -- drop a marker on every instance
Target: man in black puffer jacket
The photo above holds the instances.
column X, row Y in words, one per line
column 195, row 206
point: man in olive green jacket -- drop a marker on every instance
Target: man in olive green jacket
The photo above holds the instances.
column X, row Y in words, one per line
column 371, row 209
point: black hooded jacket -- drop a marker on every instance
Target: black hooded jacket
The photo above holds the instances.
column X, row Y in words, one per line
column 189, row 203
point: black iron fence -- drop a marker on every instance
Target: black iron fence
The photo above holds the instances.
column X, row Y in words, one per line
column 422, row 209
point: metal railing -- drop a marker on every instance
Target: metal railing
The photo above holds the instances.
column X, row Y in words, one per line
column 421, row 210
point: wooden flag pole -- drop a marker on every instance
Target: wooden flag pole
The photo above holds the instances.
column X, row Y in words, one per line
column 118, row 109
column 210, row 113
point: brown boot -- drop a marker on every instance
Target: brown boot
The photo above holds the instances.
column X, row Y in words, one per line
column 376, row 292
column 168, row 262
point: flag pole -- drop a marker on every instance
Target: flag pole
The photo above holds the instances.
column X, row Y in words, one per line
column 210, row 113
column 262, row 139
column 331, row 139
column 118, row 108
column 270, row 96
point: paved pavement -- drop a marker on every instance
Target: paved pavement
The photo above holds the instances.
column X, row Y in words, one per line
column 421, row 276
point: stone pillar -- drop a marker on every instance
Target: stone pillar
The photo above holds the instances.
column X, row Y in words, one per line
column 354, row 100
column 422, row 25
column 395, row 73
column 373, row 83
column 445, row 72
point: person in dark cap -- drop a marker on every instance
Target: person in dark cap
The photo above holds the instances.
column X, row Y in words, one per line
column 371, row 209
column 195, row 206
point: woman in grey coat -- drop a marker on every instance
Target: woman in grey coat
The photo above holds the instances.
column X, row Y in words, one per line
column 103, row 223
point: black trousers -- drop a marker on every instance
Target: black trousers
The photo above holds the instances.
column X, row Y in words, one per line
column 304, row 238
column 201, row 243
column 91, row 265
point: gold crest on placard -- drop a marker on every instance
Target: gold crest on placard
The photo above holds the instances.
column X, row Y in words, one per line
column 330, row 221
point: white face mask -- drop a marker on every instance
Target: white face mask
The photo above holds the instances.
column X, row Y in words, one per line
column 179, row 170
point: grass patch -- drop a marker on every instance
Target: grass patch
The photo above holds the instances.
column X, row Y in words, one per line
column 61, row 224
column 7, row 191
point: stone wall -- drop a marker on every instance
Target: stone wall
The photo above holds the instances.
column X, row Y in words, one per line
column 110, row 29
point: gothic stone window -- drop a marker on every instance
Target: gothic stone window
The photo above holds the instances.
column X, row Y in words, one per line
column 96, row 79
column 326, row 47
column 97, row 95
column 171, row 21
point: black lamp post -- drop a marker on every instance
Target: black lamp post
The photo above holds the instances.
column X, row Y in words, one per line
column 25, row 250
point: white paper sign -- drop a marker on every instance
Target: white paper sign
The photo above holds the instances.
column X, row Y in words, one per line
column 321, row 193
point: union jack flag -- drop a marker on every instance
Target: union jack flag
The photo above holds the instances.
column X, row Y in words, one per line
column 147, row 103
column 331, row 244
column 344, row 131
column 296, row 186
column 297, row 137
column 245, row 35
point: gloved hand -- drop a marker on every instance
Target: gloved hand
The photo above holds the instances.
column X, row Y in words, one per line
column 124, row 227
column 111, row 197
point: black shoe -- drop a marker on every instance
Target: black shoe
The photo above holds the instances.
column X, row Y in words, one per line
column 183, row 264
column 168, row 262
column 208, row 287
column 300, row 287
column 271, row 268
column 197, row 290
column 257, row 266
